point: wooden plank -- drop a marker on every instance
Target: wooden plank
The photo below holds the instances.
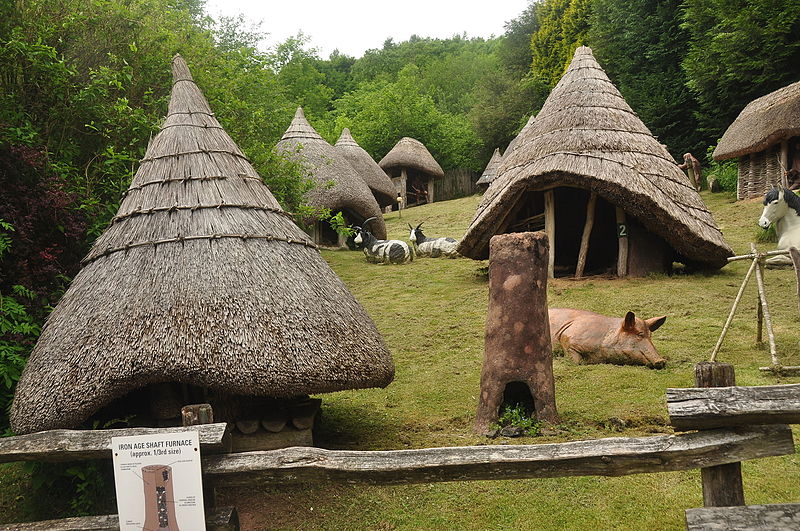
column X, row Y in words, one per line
column 217, row 519
column 622, row 244
column 550, row 229
column 587, row 232
column 762, row 294
column 694, row 409
column 600, row 457
column 774, row 517
column 75, row 445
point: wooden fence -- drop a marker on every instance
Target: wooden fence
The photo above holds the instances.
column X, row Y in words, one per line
column 730, row 424
column 455, row 184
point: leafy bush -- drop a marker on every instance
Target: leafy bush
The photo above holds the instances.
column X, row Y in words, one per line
column 726, row 172
column 518, row 417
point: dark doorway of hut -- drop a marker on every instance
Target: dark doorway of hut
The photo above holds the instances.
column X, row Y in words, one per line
column 417, row 188
column 327, row 236
column 570, row 213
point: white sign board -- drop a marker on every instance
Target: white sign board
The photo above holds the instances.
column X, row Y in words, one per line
column 159, row 482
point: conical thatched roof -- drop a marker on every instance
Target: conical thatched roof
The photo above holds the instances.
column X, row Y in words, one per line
column 587, row 136
column 200, row 278
column 410, row 153
column 366, row 168
column 513, row 144
column 349, row 191
column 765, row 121
column 490, row 172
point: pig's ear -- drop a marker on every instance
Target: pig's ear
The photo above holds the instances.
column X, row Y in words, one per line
column 630, row 321
column 656, row 322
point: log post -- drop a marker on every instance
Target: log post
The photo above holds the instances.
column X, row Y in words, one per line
column 195, row 414
column 518, row 359
column 784, row 162
column 760, row 323
column 722, row 484
column 762, row 294
column 550, row 229
column 587, row 232
column 622, row 243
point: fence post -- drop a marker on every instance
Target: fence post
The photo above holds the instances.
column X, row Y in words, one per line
column 722, row 484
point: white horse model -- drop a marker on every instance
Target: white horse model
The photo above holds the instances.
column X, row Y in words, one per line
column 782, row 208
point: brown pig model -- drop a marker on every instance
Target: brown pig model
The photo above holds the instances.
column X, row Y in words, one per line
column 589, row 337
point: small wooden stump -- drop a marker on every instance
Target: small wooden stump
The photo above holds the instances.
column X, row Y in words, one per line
column 518, row 359
column 722, row 484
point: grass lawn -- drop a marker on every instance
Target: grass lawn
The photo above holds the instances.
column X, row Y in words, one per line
column 431, row 313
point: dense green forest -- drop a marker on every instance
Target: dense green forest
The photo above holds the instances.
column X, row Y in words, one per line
column 84, row 85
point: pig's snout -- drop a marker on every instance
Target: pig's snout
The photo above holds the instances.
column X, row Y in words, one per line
column 660, row 364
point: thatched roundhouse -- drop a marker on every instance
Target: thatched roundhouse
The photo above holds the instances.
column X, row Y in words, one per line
column 413, row 171
column 590, row 173
column 366, row 168
column 349, row 193
column 765, row 137
column 201, row 279
column 490, row 172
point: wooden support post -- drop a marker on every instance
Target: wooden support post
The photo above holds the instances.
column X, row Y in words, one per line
column 762, row 294
column 760, row 323
column 518, row 358
column 622, row 243
column 784, row 161
column 722, row 484
column 587, row 232
column 550, row 229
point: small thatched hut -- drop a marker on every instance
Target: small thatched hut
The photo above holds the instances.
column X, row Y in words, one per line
column 201, row 279
column 765, row 137
column 590, row 173
column 349, row 194
column 366, row 168
column 413, row 171
column 490, row 172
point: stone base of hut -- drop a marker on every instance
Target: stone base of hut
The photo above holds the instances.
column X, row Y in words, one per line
column 644, row 252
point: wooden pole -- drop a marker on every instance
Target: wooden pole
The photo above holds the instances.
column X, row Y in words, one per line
column 736, row 301
column 760, row 324
column 784, row 160
column 750, row 256
column 722, row 484
column 622, row 243
column 550, row 229
column 587, row 232
column 795, row 254
column 773, row 352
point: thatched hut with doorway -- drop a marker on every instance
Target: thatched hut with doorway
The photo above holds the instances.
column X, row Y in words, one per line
column 609, row 195
column 339, row 189
column 490, row 172
column 201, row 289
column 765, row 137
column 366, row 168
column 413, row 171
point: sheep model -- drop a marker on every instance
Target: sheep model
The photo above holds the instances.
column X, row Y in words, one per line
column 383, row 251
column 432, row 247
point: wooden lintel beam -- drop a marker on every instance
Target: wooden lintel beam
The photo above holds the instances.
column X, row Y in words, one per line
column 76, row 445
column 600, row 457
column 717, row 407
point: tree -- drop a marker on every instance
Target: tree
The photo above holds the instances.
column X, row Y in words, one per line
column 738, row 50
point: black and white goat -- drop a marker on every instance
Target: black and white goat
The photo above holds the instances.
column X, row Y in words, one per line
column 433, row 247
column 383, row 251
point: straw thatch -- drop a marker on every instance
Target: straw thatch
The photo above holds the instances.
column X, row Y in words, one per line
column 410, row 153
column 762, row 123
column 200, row 278
column 513, row 144
column 366, row 168
column 587, row 136
column 348, row 191
column 490, row 172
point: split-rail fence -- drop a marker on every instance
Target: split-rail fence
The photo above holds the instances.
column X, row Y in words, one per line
column 719, row 425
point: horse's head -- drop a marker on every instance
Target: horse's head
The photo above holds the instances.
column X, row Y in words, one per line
column 775, row 207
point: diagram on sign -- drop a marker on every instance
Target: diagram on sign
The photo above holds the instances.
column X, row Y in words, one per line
column 158, row 481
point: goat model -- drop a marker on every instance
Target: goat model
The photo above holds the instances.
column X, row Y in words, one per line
column 433, row 247
column 383, row 251
column 588, row 337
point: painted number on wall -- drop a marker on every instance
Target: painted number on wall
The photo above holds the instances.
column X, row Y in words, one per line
column 622, row 230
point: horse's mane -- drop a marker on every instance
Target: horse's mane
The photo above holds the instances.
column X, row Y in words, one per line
column 791, row 199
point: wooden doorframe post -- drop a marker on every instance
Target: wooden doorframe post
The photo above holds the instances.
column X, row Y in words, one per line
column 550, row 228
